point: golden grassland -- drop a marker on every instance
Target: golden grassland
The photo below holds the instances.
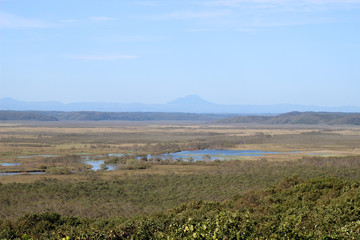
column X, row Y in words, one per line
column 70, row 138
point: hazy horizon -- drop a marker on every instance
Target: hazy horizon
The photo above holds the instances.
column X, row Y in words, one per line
column 91, row 101
column 193, row 101
column 233, row 52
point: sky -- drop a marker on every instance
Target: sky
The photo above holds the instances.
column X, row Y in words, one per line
column 153, row 51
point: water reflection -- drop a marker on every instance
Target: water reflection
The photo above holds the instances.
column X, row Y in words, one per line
column 39, row 155
column 97, row 165
column 9, row 164
column 20, row 173
column 211, row 154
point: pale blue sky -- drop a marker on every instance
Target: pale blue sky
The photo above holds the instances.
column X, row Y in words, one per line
column 226, row 51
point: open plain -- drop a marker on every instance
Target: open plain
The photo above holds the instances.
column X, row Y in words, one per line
column 45, row 170
column 54, row 147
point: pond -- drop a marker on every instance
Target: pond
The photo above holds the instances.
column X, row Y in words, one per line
column 212, row 154
column 96, row 165
column 9, row 164
column 20, row 173
column 39, row 155
column 96, row 161
column 116, row 154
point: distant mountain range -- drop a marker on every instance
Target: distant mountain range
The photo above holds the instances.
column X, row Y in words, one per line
column 189, row 104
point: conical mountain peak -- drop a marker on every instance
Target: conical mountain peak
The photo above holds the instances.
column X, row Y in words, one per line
column 190, row 100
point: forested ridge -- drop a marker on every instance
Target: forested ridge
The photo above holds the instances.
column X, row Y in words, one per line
column 286, row 118
column 299, row 118
column 105, row 116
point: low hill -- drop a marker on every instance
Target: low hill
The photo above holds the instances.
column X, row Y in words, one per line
column 298, row 118
column 286, row 118
column 105, row 116
column 25, row 116
column 132, row 116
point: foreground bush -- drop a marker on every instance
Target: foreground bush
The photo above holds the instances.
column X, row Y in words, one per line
column 322, row 208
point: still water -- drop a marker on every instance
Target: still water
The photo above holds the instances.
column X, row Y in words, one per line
column 198, row 155
column 212, row 154
column 18, row 173
column 96, row 165
column 9, row 164
column 40, row 155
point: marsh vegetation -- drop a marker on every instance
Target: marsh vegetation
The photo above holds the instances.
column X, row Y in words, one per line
column 309, row 190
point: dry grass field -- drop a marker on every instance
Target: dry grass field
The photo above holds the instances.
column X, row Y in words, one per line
column 67, row 140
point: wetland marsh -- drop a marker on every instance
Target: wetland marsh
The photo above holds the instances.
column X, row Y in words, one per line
column 118, row 171
column 63, row 148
